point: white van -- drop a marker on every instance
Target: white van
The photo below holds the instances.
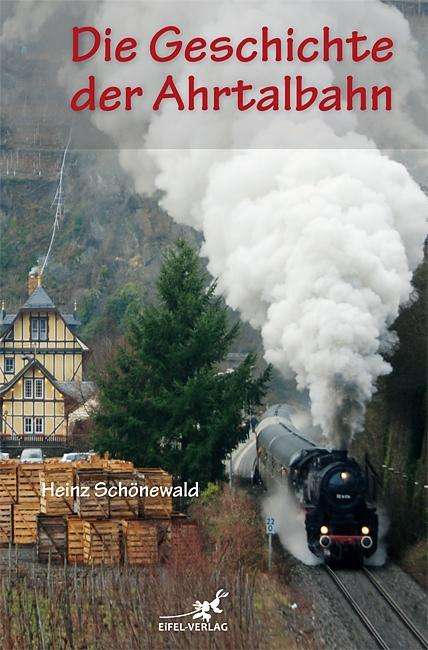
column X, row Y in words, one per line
column 32, row 455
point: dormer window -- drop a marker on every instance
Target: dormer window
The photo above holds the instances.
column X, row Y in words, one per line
column 39, row 328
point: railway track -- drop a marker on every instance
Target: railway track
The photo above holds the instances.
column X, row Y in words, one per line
column 387, row 598
column 397, row 609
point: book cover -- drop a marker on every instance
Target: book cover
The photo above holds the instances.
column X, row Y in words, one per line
column 213, row 324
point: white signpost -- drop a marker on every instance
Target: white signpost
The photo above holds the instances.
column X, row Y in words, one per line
column 270, row 530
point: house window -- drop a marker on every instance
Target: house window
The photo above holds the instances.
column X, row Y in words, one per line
column 28, row 425
column 39, row 329
column 39, row 388
column 43, row 329
column 9, row 335
column 38, row 425
column 28, row 389
column 9, row 365
column 34, row 328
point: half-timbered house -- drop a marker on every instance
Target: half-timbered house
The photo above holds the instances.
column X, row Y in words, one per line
column 42, row 362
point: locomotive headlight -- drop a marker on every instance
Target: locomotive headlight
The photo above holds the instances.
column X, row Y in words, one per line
column 324, row 530
column 365, row 530
column 344, row 476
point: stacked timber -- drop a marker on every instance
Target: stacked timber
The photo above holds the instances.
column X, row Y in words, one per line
column 6, row 524
column 115, row 465
column 89, row 504
column 8, row 483
column 91, row 512
column 140, row 542
column 29, row 482
column 26, row 510
column 51, row 538
column 56, row 496
column 101, row 542
column 121, row 506
column 158, row 506
column 25, row 522
column 94, row 462
column 75, row 539
column 8, row 497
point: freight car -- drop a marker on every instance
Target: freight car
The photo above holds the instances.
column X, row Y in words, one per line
column 331, row 488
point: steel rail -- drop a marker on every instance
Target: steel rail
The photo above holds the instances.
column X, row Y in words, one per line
column 357, row 609
column 397, row 609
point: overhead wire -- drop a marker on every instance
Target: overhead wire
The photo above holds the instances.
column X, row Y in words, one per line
column 58, row 199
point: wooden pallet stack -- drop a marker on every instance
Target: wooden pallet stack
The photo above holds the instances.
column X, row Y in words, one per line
column 6, row 524
column 101, row 542
column 29, row 482
column 75, row 539
column 25, row 523
column 8, row 482
column 157, row 506
column 59, row 507
column 51, row 541
column 140, row 542
column 56, row 495
column 123, row 506
column 89, row 504
column 116, row 465
column 26, row 510
column 8, row 497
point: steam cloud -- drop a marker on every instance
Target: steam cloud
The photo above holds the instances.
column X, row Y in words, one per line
column 290, row 521
column 316, row 250
column 314, row 243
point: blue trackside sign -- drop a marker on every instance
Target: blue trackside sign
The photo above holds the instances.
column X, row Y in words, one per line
column 270, row 526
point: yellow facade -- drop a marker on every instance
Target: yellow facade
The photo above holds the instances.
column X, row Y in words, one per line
column 41, row 370
column 50, row 408
column 61, row 354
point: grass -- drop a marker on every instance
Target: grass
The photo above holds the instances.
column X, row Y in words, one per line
column 119, row 608
column 61, row 608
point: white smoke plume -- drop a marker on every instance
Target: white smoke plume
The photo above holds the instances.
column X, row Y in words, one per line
column 314, row 243
column 315, row 247
column 290, row 522
column 317, row 251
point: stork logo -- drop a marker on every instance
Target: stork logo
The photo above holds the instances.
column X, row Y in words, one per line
column 201, row 610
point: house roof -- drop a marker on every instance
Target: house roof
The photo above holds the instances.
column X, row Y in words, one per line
column 6, row 319
column 39, row 299
column 71, row 320
column 17, row 377
column 78, row 391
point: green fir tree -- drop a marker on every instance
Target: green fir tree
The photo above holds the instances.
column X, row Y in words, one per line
column 163, row 401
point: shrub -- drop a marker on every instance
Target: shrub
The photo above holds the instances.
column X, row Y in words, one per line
column 231, row 527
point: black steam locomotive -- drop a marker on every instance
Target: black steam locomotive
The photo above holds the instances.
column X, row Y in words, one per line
column 341, row 523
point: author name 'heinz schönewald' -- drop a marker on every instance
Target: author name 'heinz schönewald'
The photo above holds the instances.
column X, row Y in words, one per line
column 103, row 489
